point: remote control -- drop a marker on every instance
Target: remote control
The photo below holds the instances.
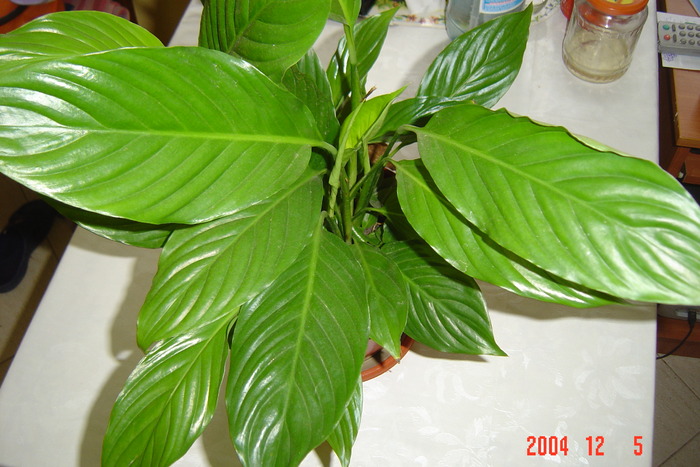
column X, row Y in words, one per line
column 679, row 37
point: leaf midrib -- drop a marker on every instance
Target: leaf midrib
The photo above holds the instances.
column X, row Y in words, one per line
column 31, row 59
column 261, row 138
column 586, row 206
column 308, row 294
column 182, row 251
column 243, row 33
column 187, row 368
column 207, row 342
column 510, row 168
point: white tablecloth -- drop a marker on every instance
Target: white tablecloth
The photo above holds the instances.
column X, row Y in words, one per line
column 579, row 374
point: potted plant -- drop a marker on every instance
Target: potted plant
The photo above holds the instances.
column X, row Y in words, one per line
column 287, row 242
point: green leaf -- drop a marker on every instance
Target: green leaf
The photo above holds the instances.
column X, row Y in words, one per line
column 357, row 129
column 209, row 269
column 611, row 223
column 345, row 11
column 345, row 432
column 396, row 226
column 119, row 230
column 67, row 34
column 447, row 310
column 369, row 38
column 387, row 296
column 363, row 122
column 474, row 253
column 481, row 64
column 168, row 400
column 307, row 80
column 270, row 34
column 478, row 66
column 144, row 134
column 296, row 356
column 411, row 111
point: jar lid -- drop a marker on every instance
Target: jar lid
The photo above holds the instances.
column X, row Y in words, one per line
column 619, row 7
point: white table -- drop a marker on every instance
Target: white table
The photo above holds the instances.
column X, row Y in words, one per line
column 570, row 373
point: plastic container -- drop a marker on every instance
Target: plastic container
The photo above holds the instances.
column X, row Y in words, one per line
column 601, row 36
column 463, row 15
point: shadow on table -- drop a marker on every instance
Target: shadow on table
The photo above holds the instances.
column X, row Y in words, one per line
column 123, row 340
column 215, row 441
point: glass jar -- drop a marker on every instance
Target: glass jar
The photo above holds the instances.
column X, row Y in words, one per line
column 601, row 36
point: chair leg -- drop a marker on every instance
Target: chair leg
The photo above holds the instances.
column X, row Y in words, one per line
column 677, row 161
column 692, row 168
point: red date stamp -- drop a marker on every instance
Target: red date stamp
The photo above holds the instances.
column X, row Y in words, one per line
column 556, row 445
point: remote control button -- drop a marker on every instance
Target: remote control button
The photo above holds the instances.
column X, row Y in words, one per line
column 678, row 38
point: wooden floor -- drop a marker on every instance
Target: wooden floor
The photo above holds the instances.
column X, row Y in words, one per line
column 677, row 412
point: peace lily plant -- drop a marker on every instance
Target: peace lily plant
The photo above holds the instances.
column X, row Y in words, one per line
column 287, row 241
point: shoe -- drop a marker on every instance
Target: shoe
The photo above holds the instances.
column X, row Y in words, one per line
column 25, row 230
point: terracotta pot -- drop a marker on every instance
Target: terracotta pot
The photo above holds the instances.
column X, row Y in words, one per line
column 378, row 361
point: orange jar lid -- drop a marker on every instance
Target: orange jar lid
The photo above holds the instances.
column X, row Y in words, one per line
column 619, row 7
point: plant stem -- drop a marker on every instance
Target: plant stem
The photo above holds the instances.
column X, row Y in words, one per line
column 332, row 150
column 356, row 91
column 367, row 185
column 346, row 210
column 352, row 170
column 340, row 180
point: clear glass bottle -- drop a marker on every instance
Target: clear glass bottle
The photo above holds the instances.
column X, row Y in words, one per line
column 601, row 36
column 463, row 15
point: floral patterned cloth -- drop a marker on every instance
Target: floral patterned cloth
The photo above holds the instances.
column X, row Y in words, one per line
column 419, row 12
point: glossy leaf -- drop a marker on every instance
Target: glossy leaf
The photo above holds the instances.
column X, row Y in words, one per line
column 369, row 38
column 67, row 34
column 296, row 355
column 481, row 64
column 447, row 311
column 478, row 66
column 209, row 269
column 363, row 122
column 307, row 80
column 474, row 253
column 168, row 400
column 345, row 432
column 387, row 296
column 270, row 34
column 345, row 11
column 411, row 111
column 611, row 223
column 356, row 131
column 122, row 134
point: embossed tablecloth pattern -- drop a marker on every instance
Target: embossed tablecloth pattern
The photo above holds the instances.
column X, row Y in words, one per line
column 569, row 373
